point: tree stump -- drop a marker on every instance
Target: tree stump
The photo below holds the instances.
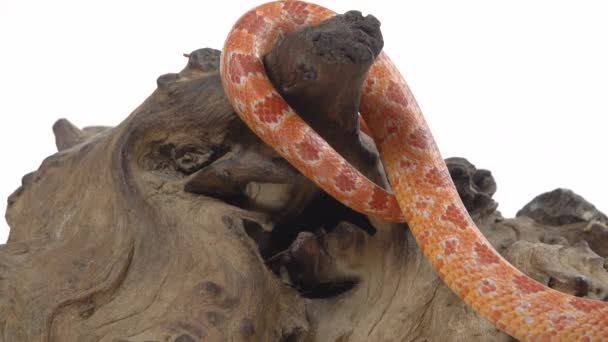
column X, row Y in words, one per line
column 179, row 224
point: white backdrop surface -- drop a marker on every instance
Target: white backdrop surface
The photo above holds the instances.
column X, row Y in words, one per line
column 517, row 87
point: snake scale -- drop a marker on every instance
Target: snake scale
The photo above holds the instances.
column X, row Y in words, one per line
column 424, row 195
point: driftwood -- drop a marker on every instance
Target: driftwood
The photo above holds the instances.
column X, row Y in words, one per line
column 180, row 225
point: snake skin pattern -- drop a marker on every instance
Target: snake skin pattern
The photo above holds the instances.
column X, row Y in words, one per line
column 425, row 196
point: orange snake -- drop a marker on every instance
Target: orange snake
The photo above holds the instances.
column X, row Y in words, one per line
column 424, row 195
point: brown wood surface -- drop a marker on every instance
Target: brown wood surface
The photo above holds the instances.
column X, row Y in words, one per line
column 180, row 225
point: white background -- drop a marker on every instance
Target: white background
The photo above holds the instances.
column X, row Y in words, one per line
column 518, row 87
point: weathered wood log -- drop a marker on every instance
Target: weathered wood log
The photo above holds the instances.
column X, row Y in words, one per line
column 179, row 224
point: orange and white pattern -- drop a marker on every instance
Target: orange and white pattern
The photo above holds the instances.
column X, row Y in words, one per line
column 424, row 195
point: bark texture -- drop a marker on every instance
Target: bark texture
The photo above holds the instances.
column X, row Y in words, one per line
column 180, row 225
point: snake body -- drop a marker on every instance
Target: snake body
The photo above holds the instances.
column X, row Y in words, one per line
column 424, row 194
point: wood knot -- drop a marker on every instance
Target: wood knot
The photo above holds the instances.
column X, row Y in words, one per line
column 205, row 60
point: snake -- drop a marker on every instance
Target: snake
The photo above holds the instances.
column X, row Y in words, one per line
column 422, row 193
